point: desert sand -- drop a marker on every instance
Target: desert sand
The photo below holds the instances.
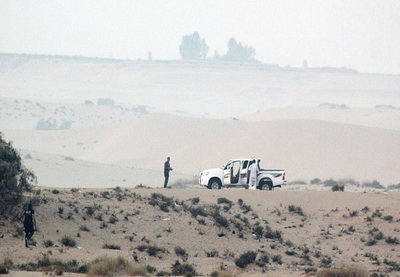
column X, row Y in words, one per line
column 123, row 119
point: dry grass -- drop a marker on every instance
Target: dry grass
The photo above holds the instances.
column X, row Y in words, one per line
column 344, row 271
column 108, row 266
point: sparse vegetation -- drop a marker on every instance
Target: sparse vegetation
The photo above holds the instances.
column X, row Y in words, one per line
column 211, row 254
column 184, row 269
column 179, row 251
column 345, row 271
column 245, row 259
column 108, row 266
column 392, row 240
column 68, row 241
column 111, row 246
column 48, row 243
column 295, row 209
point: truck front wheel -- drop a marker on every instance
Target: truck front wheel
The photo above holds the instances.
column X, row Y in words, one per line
column 214, row 184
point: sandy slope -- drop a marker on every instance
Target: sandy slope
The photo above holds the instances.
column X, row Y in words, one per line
column 333, row 224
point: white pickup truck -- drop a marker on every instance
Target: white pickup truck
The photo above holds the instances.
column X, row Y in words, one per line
column 234, row 174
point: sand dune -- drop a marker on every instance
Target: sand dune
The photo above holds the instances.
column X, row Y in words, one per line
column 305, row 148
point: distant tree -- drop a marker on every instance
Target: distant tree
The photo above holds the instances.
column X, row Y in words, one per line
column 193, row 47
column 239, row 53
column 15, row 179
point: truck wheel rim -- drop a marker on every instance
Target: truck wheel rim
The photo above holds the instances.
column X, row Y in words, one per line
column 214, row 185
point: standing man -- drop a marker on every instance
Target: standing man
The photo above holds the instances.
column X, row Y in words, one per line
column 252, row 173
column 29, row 223
column 167, row 169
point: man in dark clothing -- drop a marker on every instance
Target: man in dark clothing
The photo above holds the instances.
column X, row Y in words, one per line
column 29, row 223
column 167, row 169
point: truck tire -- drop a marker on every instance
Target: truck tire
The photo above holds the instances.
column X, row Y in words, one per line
column 265, row 185
column 214, row 183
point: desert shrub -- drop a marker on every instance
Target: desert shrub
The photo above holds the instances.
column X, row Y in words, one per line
column 330, row 183
column 388, row 217
column 151, row 269
column 220, row 220
column 212, row 253
column 195, row 200
column 263, row 260
column 337, row 187
column 376, row 234
column 326, row 261
column 48, row 243
column 108, row 266
column 68, row 241
column 152, row 250
column 298, row 182
column 15, row 179
column 223, row 200
column 316, row 181
column 371, row 242
column 394, row 187
column 112, row 219
column 111, row 246
column 345, row 271
column 393, row 265
column 55, row 191
column 295, row 209
column 179, row 251
column 245, row 208
column 197, row 211
column 290, row 252
column 105, row 102
column 258, row 231
column 90, row 210
column 277, row 259
column 222, row 274
column 270, row 234
column 50, row 124
column 245, row 259
column 3, row 269
column 377, row 213
column 392, row 240
column 184, row 269
column 374, row 184
column 353, row 213
column 84, row 228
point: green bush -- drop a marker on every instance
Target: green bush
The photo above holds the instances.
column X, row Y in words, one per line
column 15, row 179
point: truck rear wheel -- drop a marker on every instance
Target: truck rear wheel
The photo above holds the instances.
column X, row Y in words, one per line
column 214, row 184
column 266, row 185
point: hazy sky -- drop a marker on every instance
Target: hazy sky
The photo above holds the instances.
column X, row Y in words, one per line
column 360, row 34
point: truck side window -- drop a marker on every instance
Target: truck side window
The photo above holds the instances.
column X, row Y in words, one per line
column 245, row 164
